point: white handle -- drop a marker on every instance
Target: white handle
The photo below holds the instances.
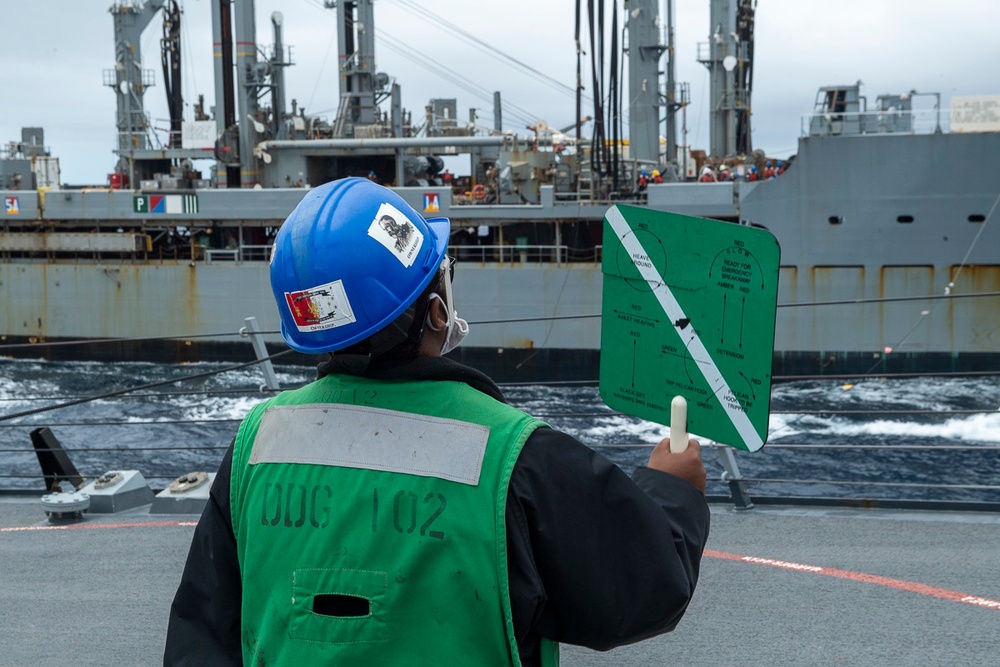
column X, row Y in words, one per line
column 678, row 424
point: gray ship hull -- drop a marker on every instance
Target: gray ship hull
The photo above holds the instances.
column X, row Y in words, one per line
column 885, row 242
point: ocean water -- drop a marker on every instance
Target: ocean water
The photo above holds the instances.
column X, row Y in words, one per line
column 917, row 438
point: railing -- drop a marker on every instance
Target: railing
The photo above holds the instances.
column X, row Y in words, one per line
column 186, row 248
column 244, row 253
column 523, row 253
column 874, row 122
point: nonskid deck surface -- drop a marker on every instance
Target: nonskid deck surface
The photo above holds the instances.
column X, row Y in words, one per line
column 779, row 586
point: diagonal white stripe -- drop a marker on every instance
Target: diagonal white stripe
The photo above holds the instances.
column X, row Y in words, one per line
column 703, row 361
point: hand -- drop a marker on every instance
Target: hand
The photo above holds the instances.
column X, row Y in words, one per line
column 686, row 464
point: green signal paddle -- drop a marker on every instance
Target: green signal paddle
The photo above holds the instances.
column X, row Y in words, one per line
column 688, row 311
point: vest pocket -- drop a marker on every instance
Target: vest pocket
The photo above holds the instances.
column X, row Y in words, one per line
column 339, row 606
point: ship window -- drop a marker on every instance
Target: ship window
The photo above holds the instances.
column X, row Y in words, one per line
column 977, row 218
column 905, row 219
column 836, row 219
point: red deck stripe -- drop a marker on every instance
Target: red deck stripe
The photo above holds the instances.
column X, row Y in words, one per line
column 899, row 584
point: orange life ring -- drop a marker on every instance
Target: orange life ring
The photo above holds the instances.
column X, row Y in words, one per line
column 479, row 192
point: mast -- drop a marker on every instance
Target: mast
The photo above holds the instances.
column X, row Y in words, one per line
column 170, row 57
column 672, row 103
column 644, row 51
column 279, row 129
column 356, row 63
column 129, row 80
column 227, row 170
column 248, row 77
column 729, row 60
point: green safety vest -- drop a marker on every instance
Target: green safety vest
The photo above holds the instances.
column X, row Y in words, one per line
column 369, row 522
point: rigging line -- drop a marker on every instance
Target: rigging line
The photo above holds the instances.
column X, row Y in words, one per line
column 886, row 376
column 443, row 24
column 450, row 75
column 553, row 383
column 975, row 240
column 97, row 341
column 581, row 415
column 920, row 320
column 120, row 392
column 925, row 314
column 197, row 448
column 439, row 21
column 410, row 53
column 951, row 283
column 385, row 40
column 551, row 326
column 157, row 394
column 189, row 68
column 909, row 448
column 563, row 415
column 833, row 482
column 439, row 70
column 780, row 305
column 889, row 299
column 518, row 112
column 319, row 76
column 536, row 319
column 144, row 422
column 316, row 4
column 936, row 448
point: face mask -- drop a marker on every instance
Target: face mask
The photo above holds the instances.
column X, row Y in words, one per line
column 457, row 328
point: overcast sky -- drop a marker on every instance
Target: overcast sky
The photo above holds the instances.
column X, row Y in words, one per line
column 53, row 54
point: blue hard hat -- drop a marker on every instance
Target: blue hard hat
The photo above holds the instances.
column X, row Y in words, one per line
column 768, row 163
column 349, row 260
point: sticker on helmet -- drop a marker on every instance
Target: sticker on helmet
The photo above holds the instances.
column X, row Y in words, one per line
column 322, row 307
column 394, row 230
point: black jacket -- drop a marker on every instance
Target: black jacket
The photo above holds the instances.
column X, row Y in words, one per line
column 595, row 558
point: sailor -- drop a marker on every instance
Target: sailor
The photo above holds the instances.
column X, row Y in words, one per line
column 781, row 168
column 752, row 174
column 398, row 510
column 724, row 174
column 643, row 180
column 372, row 176
column 656, row 176
column 768, row 171
column 707, row 175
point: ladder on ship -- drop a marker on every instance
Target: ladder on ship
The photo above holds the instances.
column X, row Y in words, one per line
column 585, row 179
column 342, row 111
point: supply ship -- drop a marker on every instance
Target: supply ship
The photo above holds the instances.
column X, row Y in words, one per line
column 890, row 252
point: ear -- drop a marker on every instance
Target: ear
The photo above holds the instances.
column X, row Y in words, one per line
column 438, row 314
